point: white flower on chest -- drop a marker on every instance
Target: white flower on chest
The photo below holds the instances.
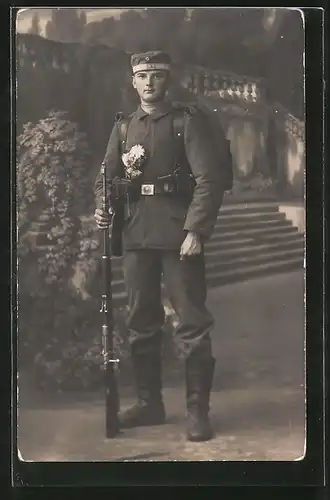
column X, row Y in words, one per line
column 133, row 161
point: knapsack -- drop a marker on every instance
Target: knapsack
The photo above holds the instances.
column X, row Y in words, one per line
column 213, row 124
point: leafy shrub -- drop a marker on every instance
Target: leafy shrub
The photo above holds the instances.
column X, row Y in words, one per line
column 74, row 360
column 59, row 322
column 53, row 194
column 52, row 186
column 67, row 352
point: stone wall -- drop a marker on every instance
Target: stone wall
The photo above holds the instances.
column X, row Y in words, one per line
column 291, row 160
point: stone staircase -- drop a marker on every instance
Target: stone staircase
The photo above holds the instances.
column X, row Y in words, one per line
column 249, row 241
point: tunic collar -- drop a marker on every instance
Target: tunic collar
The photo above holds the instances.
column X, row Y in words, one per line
column 163, row 110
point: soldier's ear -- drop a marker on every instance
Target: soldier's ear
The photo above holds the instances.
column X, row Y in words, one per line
column 133, row 81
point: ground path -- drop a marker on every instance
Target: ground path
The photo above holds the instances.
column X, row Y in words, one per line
column 257, row 401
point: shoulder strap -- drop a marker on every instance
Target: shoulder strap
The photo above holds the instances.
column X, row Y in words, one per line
column 178, row 125
column 178, row 129
column 182, row 110
column 122, row 123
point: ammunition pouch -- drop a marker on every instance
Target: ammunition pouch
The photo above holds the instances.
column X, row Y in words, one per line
column 185, row 183
column 120, row 189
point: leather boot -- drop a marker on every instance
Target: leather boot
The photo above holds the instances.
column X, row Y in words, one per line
column 149, row 409
column 199, row 377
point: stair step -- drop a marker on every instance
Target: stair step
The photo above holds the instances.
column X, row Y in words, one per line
column 252, row 249
column 230, row 226
column 248, row 260
column 239, row 243
column 251, row 233
column 240, row 275
column 247, row 208
column 273, row 238
column 242, row 218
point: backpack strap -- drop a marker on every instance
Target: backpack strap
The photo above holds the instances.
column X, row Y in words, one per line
column 181, row 111
column 122, row 125
column 178, row 129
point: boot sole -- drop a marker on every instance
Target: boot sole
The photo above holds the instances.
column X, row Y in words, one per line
column 198, row 439
column 142, row 424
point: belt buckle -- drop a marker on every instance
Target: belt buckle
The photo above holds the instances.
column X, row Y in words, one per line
column 148, row 189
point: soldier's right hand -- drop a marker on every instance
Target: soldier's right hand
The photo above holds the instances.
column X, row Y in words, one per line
column 102, row 218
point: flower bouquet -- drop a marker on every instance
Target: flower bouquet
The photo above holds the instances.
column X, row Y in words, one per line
column 133, row 160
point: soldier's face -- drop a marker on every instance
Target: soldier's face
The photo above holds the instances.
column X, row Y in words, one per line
column 151, row 85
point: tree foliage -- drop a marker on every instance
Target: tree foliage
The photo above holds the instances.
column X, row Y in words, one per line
column 35, row 25
column 66, row 25
column 203, row 36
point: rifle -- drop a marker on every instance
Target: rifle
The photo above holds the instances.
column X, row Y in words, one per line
column 111, row 389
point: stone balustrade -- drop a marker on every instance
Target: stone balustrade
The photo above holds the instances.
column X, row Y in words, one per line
column 294, row 126
column 290, row 123
column 227, row 86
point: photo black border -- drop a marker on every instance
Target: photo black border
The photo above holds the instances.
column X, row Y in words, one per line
column 307, row 472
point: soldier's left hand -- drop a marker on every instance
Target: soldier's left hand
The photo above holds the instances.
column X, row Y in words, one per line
column 191, row 246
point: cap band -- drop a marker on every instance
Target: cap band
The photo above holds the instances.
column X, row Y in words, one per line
column 150, row 66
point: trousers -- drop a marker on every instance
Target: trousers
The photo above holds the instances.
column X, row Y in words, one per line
column 185, row 286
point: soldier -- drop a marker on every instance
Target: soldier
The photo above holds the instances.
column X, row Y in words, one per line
column 170, row 218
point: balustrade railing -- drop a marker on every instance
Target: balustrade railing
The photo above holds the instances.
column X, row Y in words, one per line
column 291, row 124
column 225, row 85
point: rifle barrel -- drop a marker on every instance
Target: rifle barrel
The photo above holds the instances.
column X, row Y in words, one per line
column 111, row 388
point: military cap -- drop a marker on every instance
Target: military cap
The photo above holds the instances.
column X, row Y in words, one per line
column 151, row 60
